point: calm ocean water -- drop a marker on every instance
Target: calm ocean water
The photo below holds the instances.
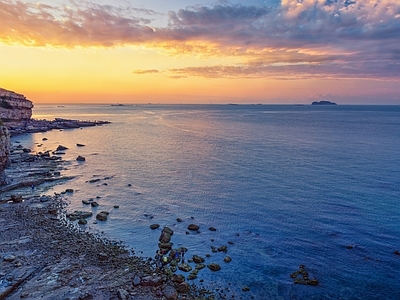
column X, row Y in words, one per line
column 288, row 185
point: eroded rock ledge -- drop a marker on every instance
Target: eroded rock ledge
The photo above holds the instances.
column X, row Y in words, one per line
column 33, row 125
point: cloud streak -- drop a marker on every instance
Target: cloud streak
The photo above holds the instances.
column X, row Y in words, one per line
column 297, row 39
column 141, row 72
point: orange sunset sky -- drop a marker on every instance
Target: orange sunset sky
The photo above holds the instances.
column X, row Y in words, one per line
column 272, row 51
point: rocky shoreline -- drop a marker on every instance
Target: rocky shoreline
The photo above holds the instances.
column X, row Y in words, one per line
column 43, row 254
column 34, row 125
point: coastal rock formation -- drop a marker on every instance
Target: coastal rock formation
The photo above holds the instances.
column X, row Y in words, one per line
column 4, row 152
column 16, row 112
column 323, row 102
column 15, row 109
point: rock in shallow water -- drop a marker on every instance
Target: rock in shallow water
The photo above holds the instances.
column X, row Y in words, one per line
column 154, row 226
column 101, row 216
column 214, row 267
column 193, row 227
column 184, row 267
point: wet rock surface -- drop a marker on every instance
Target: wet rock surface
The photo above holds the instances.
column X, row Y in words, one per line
column 33, row 125
column 45, row 256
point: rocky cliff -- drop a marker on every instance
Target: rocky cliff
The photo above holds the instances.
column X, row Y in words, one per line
column 4, row 152
column 15, row 109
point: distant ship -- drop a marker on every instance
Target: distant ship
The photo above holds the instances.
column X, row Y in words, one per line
column 117, row 104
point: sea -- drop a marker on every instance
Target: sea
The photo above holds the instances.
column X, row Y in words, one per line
column 283, row 185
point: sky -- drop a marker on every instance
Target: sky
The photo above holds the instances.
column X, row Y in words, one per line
column 196, row 51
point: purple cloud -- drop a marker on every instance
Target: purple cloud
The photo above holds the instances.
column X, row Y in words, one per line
column 307, row 39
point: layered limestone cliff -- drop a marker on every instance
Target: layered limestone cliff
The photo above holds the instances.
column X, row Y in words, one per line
column 4, row 152
column 15, row 109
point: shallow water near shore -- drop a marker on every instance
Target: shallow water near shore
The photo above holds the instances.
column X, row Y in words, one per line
column 286, row 185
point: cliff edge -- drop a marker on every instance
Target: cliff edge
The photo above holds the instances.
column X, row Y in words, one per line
column 15, row 109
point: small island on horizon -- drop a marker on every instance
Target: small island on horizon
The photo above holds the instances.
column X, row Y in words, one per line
column 323, row 102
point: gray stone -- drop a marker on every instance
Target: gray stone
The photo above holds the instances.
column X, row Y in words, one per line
column 122, row 294
column 136, row 280
column 152, row 280
column 170, row 293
